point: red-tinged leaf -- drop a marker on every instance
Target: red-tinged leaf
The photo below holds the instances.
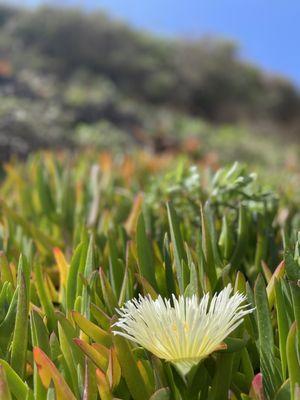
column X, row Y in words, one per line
column 48, row 372
column 257, row 389
column 278, row 273
column 103, row 386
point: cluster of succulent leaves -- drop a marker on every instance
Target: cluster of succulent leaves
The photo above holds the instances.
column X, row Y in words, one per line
column 80, row 237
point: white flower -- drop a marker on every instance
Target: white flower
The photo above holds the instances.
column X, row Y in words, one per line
column 187, row 331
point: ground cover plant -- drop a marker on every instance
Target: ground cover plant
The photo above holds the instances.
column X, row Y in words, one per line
column 81, row 237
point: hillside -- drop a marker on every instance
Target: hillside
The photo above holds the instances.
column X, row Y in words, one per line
column 69, row 78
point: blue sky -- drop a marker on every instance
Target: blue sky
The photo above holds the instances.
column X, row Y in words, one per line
column 268, row 31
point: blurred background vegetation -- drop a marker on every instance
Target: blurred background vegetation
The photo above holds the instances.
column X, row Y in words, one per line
column 71, row 79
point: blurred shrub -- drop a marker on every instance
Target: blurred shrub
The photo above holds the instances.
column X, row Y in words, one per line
column 104, row 135
column 204, row 76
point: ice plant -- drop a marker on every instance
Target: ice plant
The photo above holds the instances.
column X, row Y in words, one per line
column 183, row 331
